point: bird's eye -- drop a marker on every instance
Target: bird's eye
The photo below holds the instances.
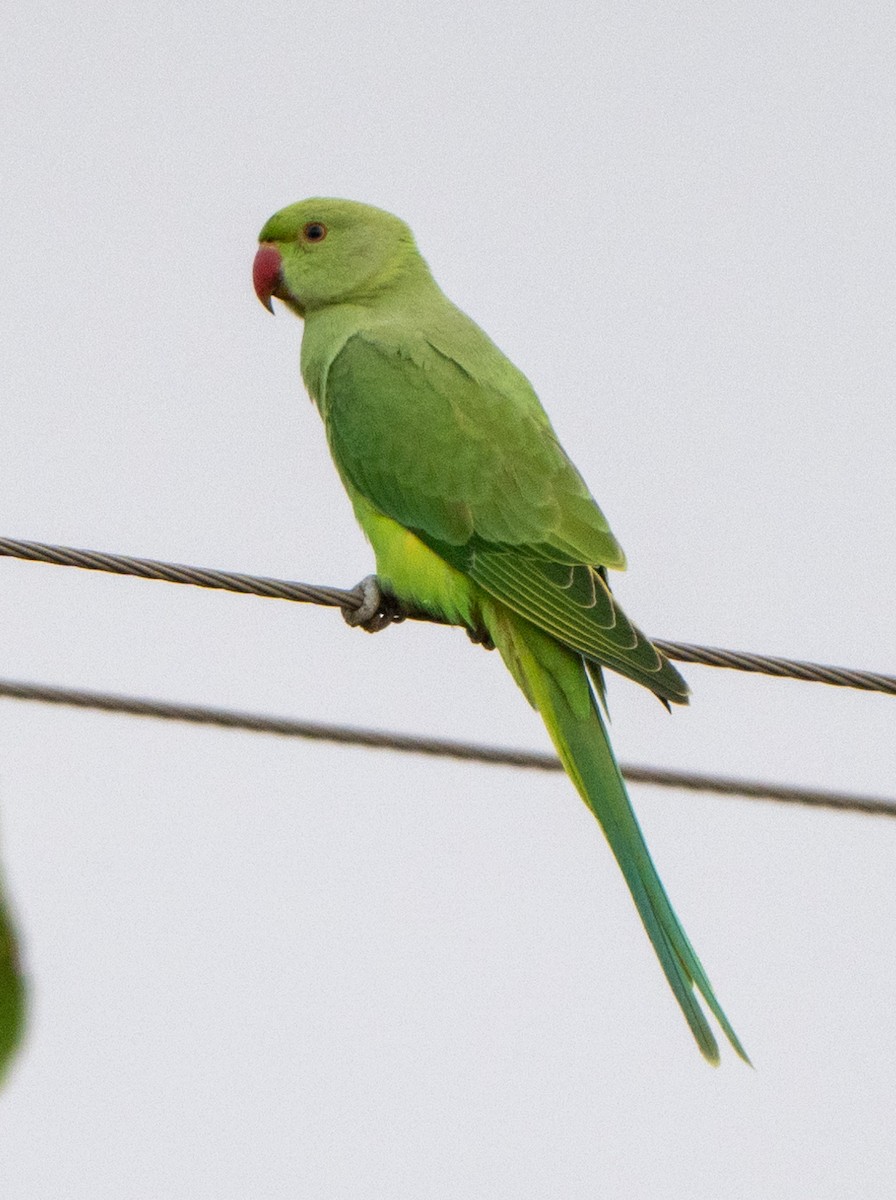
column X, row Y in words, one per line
column 314, row 232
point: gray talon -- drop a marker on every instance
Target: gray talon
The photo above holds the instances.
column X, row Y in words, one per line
column 376, row 611
column 371, row 601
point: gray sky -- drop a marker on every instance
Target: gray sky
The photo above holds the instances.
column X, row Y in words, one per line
column 274, row 969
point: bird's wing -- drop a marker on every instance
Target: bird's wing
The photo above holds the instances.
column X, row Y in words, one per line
column 477, row 473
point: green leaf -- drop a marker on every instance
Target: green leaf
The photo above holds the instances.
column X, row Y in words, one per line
column 12, row 990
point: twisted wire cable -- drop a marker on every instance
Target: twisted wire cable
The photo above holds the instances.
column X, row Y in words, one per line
column 148, row 568
column 783, row 668
column 437, row 747
column 353, row 599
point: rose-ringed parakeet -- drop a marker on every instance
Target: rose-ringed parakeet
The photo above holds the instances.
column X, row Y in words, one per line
column 474, row 511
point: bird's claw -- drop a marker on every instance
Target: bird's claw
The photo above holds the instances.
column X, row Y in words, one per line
column 377, row 609
column 480, row 636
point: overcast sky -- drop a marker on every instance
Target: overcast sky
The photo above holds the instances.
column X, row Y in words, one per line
column 264, row 968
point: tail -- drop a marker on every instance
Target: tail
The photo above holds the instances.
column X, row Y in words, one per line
column 555, row 681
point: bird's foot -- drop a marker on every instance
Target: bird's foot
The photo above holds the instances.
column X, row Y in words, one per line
column 377, row 609
column 480, row 636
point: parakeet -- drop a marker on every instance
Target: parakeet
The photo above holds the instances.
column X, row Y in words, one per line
column 475, row 512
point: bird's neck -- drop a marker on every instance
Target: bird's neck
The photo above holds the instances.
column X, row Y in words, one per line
column 327, row 329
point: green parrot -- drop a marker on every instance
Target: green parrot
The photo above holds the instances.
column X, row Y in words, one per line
column 475, row 513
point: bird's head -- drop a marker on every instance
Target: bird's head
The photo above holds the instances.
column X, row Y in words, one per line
column 320, row 252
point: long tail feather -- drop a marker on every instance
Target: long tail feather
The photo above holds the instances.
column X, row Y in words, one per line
column 554, row 678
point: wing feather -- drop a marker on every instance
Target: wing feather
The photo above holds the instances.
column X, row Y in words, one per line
column 475, row 470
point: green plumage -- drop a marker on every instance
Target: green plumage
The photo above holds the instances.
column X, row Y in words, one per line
column 474, row 510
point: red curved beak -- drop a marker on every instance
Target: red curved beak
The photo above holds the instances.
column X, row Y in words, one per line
column 266, row 273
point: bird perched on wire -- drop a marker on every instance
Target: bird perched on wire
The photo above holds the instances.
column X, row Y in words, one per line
column 475, row 512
